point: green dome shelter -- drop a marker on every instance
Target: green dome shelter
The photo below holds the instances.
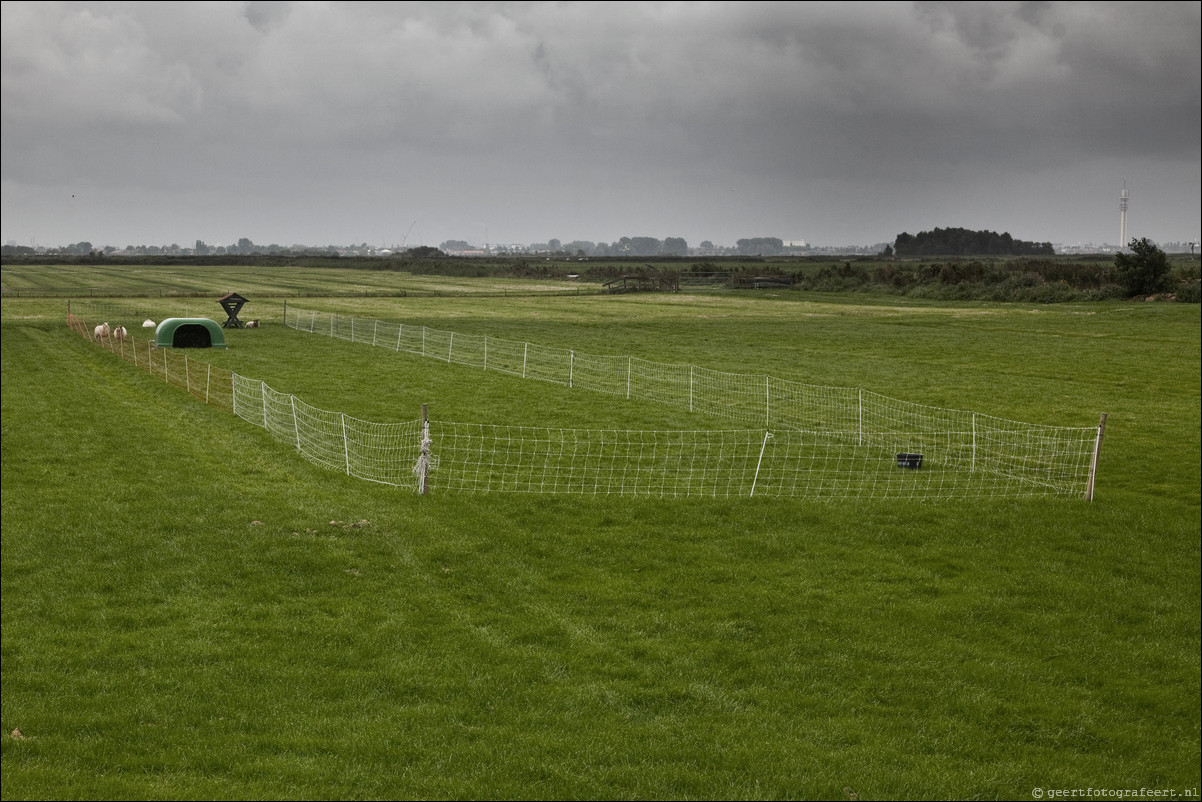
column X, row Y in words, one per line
column 189, row 332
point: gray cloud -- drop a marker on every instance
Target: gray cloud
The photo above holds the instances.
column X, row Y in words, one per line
column 837, row 123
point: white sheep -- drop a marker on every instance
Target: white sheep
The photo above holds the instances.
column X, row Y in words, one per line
column 252, row 324
column 119, row 333
column 148, row 324
column 101, row 331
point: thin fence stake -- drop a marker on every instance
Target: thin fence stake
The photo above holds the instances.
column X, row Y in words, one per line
column 1093, row 463
column 423, row 462
column 974, row 441
column 759, row 462
column 295, row 425
column 346, row 449
column 860, row 415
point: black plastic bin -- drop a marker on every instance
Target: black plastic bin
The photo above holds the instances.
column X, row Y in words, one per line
column 912, row 461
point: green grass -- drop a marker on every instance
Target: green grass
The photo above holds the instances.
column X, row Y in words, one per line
column 148, row 281
column 190, row 610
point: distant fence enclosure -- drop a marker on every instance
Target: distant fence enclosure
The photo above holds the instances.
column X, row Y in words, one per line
column 810, row 441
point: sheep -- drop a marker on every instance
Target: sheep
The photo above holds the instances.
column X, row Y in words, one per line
column 101, row 331
column 148, row 324
column 119, row 333
column 252, row 324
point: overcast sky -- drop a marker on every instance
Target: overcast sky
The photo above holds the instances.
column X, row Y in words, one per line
column 834, row 123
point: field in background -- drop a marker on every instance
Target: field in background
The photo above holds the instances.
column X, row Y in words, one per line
column 190, row 609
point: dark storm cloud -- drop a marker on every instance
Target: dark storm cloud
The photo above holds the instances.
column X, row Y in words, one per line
column 839, row 123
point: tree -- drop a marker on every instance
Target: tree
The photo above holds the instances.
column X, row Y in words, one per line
column 675, row 246
column 1145, row 270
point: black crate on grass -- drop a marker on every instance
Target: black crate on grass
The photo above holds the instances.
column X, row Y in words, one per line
column 912, row 461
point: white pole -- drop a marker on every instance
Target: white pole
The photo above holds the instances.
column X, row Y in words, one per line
column 974, row 441
column 263, row 395
column 374, row 328
column 767, row 401
column 1093, row 463
column 450, row 346
column 295, row 426
column 760, row 462
column 486, row 352
column 690, row 388
column 525, row 351
column 346, row 451
column 423, row 462
column 400, row 327
column 571, row 366
column 629, row 362
column 860, row 414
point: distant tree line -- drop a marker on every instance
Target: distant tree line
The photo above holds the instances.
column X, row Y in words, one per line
column 962, row 242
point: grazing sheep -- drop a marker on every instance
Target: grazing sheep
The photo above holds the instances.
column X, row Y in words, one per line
column 148, row 324
column 119, row 333
column 101, row 331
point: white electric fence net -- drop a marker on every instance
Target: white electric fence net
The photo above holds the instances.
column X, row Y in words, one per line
column 809, row 441
column 824, row 443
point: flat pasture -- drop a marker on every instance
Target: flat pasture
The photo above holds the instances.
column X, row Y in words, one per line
column 190, row 610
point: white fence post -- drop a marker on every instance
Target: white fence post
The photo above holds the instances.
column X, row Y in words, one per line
column 423, row 462
column 1093, row 463
column 974, row 441
column 759, row 462
column 295, row 425
column 346, row 449
column 860, row 415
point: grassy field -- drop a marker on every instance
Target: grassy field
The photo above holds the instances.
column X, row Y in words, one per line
column 190, row 610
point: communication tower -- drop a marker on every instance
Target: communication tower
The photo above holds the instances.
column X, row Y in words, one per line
column 1123, row 218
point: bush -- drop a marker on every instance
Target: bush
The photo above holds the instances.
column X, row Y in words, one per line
column 1190, row 291
column 1145, row 270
